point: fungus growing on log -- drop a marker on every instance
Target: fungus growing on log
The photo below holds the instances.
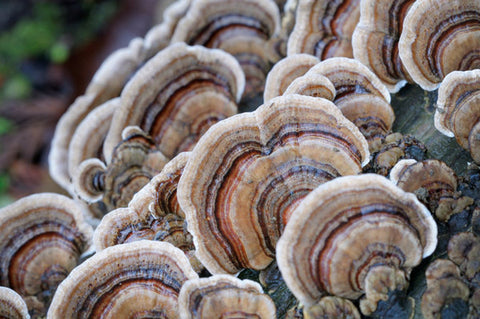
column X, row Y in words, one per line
column 176, row 96
column 324, row 28
column 458, row 109
column 224, row 296
column 375, row 40
column 248, row 173
column 285, row 71
column 439, row 37
column 133, row 164
column 12, row 306
column 359, row 235
column 42, row 237
column 139, row 279
column 242, row 28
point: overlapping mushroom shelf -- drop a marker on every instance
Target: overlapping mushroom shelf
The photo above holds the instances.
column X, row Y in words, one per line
column 187, row 188
column 248, row 172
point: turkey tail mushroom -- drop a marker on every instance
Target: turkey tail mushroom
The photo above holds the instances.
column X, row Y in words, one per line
column 375, row 40
column 42, row 237
column 177, row 95
column 359, row 235
column 248, row 172
column 139, row 279
column 458, row 109
column 242, row 28
column 324, row 28
column 439, row 37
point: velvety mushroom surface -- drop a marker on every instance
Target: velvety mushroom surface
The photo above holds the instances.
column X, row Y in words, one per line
column 177, row 95
column 133, row 164
column 324, row 28
column 139, row 279
column 285, row 71
column 242, row 28
column 12, row 306
column 354, row 235
column 41, row 239
column 375, row 40
column 439, row 37
column 224, row 296
column 248, row 172
column 458, row 109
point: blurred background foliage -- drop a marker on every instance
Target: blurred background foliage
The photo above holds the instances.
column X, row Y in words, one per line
column 43, row 32
column 37, row 37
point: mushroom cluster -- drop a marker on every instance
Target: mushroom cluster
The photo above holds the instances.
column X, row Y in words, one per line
column 355, row 235
column 187, row 188
column 458, row 109
column 42, row 238
column 250, row 171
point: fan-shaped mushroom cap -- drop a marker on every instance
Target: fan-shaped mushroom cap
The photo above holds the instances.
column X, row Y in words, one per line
column 106, row 84
column 312, row 84
column 41, row 239
column 332, row 307
column 142, row 279
column 223, row 296
column 152, row 214
column 135, row 161
column 458, row 109
column 324, row 28
column 433, row 176
column 177, row 95
column 346, row 228
column 440, row 37
column 12, row 306
column 444, row 285
column 375, row 40
column 248, row 173
column 241, row 28
column 285, row 71
column 350, row 77
column 464, row 250
column 87, row 141
column 361, row 97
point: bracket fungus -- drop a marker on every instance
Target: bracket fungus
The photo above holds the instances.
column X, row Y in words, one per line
column 242, row 28
column 324, row 28
column 107, row 83
column 464, row 251
column 458, row 109
column 375, row 40
column 42, row 237
column 439, row 37
column 332, row 307
column 12, row 306
column 444, row 288
column 434, row 183
column 177, row 95
column 248, row 172
column 360, row 235
column 87, row 141
column 285, row 71
column 360, row 95
column 134, row 162
column 224, row 296
column 153, row 214
column 139, row 279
